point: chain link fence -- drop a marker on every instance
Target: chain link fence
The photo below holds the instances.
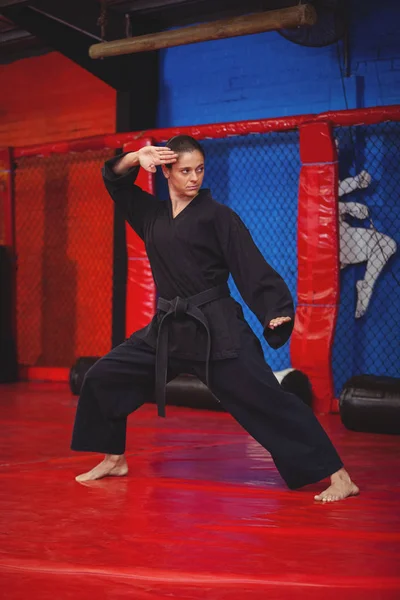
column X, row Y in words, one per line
column 367, row 337
column 64, row 240
column 64, row 236
column 257, row 176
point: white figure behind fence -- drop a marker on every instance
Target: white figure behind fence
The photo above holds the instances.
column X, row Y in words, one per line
column 359, row 244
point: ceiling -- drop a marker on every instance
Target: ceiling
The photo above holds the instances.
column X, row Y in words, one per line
column 124, row 17
column 16, row 43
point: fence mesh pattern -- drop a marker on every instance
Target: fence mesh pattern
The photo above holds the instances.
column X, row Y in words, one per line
column 64, row 237
column 368, row 331
column 257, row 176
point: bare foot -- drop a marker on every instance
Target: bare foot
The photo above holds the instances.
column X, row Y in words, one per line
column 341, row 487
column 112, row 466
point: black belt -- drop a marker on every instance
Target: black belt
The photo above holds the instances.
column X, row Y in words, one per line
column 178, row 308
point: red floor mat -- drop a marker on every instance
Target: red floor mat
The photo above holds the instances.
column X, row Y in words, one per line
column 202, row 514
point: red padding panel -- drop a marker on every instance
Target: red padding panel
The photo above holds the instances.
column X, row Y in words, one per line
column 318, row 262
column 44, row 374
column 140, row 288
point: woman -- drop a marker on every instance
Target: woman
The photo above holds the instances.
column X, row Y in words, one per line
column 193, row 244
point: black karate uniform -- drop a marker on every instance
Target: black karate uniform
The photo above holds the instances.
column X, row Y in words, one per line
column 200, row 329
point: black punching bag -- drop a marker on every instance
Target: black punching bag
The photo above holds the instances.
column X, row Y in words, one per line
column 371, row 403
column 8, row 346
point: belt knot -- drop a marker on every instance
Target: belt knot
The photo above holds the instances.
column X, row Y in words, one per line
column 179, row 307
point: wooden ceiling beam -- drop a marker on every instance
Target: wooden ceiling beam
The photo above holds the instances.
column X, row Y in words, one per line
column 285, row 18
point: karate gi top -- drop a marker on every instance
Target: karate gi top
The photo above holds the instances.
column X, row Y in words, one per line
column 193, row 252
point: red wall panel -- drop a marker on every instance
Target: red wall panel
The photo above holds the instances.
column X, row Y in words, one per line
column 48, row 98
column 64, row 217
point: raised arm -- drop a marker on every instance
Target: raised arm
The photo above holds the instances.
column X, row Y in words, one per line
column 120, row 173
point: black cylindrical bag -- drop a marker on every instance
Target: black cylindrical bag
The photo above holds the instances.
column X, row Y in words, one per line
column 371, row 404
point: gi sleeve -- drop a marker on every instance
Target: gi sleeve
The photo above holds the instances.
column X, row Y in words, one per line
column 260, row 286
column 135, row 204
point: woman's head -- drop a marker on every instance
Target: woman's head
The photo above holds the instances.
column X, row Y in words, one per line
column 184, row 143
column 185, row 177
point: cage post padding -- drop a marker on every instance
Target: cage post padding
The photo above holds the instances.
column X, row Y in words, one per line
column 318, row 262
column 7, row 237
column 140, row 288
column 7, row 221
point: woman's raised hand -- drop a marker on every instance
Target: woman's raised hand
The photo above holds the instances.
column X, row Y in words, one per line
column 152, row 156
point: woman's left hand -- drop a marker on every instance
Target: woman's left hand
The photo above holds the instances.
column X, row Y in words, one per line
column 278, row 321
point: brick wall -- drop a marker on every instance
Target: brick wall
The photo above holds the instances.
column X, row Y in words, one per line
column 265, row 75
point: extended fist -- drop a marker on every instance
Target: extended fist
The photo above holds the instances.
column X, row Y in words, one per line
column 360, row 211
column 364, row 179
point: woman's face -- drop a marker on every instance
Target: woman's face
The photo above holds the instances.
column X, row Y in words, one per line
column 185, row 177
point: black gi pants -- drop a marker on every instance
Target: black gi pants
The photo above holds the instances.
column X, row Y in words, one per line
column 123, row 380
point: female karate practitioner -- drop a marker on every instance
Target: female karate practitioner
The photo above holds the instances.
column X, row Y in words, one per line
column 193, row 244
